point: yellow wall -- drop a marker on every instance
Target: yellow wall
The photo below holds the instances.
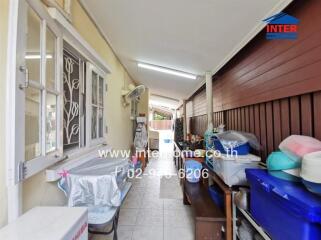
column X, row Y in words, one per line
column 35, row 190
column 4, row 4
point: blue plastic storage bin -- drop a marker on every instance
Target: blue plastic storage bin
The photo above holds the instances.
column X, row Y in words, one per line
column 217, row 196
column 286, row 210
column 193, row 171
column 243, row 149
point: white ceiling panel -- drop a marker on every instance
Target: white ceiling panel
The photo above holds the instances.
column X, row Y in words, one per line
column 187, row 35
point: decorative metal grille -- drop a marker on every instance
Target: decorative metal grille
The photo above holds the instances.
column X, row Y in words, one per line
column 71, row 80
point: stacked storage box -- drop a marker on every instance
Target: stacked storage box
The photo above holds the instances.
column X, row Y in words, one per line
column 285, row 209
column 232, row 156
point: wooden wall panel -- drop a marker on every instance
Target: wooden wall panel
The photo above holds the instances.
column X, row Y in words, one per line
column 269, row 70
column 269, row 127
column 295, row 115
column 306, row 113
column 277, row 127
column 271, row 88
column 317, row 114
column 285, row 118
column 272, row 121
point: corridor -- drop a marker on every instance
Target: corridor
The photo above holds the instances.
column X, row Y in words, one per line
column 154, row 210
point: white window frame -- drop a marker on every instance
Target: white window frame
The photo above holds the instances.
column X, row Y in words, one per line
column 25, row 169
column 14, row 117
column 89, row 69
column 45, row 160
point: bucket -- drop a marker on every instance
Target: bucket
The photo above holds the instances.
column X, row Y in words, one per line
column 193, row 171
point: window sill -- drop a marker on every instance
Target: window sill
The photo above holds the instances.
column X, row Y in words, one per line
column 74, row 159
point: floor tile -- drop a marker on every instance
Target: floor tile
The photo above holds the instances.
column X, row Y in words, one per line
column 150, row 202
column 148, row 233
column 125, row 232
column 132, row 202
column 171, row 233
column 150, row 217
column 174, row 204
column 128, row 217
column 178, row 218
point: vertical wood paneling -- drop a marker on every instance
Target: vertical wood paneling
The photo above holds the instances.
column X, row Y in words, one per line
column 272, row 121
column 285, row 118
column 251, row 119
column 317, row 114
column 247, row 119
column 239, row 119
column 306, row 115
column 243, row 120
column 263, row 129
column 257, row 122
column 234, row 119
column 269, row 127
column 295, row 115
column 277, row 134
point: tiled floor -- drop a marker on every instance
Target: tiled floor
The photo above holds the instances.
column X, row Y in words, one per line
column 144, row 215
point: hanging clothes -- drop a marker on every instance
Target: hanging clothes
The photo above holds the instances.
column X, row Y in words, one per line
column 141, row 138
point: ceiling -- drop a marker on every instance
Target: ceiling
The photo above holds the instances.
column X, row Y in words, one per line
column 187, row 35
column 161, row 101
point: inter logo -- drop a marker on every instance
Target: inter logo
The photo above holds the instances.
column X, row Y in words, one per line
column 281, row 26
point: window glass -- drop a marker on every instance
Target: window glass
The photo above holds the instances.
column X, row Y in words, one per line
column 94, row 87
column 33, row 53
column 101, row 91
column 100, row 122
column 97, row 105
column 94, row 123
column 50, row 59
column 32, row 123
column 51, row 123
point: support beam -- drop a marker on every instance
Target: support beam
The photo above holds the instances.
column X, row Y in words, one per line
column 184, row 120
column 209, row 100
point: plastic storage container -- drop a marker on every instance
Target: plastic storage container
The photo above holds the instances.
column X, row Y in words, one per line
column 296, row 146
column 231, row 170
column 281, row 161
column 217, row 196
column 243, row 149
column 311, row 172
column 286, row 210
column 193, row 171
column 311, row 167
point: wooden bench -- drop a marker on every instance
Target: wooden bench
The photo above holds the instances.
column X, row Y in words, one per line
column 209, row 218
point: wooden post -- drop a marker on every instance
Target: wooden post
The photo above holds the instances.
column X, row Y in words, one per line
column 184, row 120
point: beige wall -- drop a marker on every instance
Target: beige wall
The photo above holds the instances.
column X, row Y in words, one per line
column 35, row 190
column 4, row 4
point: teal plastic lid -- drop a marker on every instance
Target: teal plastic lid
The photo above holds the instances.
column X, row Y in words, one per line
column 280, row 161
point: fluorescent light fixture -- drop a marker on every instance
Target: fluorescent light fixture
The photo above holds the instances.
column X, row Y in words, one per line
column 37, row 56
column 166, row 70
